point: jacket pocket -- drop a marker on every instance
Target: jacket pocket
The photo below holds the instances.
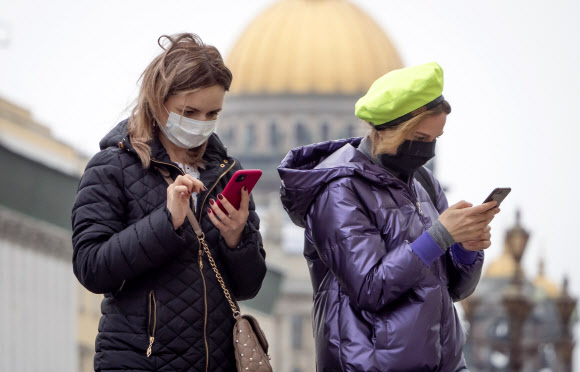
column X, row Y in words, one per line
column 151, row 321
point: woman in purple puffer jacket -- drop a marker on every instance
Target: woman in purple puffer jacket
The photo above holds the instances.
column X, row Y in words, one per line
column 386, row 263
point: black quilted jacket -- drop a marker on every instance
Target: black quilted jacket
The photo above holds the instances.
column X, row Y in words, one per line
column 156, row 296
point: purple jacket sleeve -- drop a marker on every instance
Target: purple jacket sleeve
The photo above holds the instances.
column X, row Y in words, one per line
column 463, row 277
column 350, row 245
column 464, row 267
column 427, row 249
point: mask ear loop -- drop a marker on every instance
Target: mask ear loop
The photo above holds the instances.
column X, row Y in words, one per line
column 168, row 112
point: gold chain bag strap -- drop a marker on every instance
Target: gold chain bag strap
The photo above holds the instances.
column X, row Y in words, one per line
column 250, row 344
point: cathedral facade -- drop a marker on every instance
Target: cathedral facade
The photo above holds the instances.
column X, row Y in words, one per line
column 299, row 69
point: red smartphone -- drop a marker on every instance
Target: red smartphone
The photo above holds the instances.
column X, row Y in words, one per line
column 233, row 190
column 498, row 194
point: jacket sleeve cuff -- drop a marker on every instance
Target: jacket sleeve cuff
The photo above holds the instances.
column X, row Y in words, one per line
column 179, row 233
column 427, row 249
column 462, row 255
column 245, row 244
column 441, row 236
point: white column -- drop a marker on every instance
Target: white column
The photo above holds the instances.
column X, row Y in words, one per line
column 37, row 313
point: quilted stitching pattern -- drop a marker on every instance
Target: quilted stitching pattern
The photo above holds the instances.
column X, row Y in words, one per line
column 125, row 247
column 250, row 354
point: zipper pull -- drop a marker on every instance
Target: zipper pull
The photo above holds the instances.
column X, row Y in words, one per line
column 200, row 260
column 419, row 208
column 151, row 340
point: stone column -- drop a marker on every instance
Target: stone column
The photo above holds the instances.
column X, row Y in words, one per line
column 517, row 305
column 518, row 308
column 565, row 345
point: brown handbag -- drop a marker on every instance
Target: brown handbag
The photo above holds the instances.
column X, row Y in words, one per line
column 250, row 344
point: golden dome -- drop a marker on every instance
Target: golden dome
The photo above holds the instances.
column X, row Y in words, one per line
column 515, row 242
column 547, row 286
column 503, row 267
column 311, row 46
column 542, row 282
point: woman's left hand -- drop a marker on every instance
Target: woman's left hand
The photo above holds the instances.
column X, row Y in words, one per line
column 483, row 242
column 230, row 225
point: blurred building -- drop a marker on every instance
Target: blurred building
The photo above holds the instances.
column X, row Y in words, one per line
column 40, row 323
column 517, row 323
column 298, row 69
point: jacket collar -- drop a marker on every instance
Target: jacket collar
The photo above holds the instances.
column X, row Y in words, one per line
column 365, row 147
column 307, row 170
column 215, row 152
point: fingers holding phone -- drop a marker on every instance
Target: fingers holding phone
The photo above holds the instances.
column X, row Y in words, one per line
column 230, row 212
column 483, row 241
column 466, row 223
column 481, row 210
column 476, row 245
column 245, row 202
column 469, row 225
column 485, row 213
column 230, row 223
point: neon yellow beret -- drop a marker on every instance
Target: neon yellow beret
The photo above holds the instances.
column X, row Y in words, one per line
column 401, row 94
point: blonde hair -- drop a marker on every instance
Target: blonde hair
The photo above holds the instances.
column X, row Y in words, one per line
column 185, row 65
column 393, row 137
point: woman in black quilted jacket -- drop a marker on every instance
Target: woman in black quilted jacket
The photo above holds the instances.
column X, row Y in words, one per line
column 163, row 308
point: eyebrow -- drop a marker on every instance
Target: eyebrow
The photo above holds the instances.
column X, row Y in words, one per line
column 194, row 109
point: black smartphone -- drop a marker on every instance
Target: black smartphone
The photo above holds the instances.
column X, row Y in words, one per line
column 498, row 194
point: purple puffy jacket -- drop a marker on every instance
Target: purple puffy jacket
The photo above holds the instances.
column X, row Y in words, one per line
column 377, row 305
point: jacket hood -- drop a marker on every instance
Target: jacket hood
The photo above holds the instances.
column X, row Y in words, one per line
column 215, row 150
column 305, row 171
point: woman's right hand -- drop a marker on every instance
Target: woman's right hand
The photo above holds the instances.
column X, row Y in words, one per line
column 466, row 223
column 178, row 194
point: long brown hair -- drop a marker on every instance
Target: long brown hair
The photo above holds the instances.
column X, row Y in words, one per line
column 396, row 135
column 186, row 64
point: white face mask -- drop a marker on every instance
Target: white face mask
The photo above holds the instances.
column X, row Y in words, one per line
column 187, row 133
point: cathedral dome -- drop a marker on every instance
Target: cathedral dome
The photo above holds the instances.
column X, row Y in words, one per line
column 311, row 47
column 544, row 283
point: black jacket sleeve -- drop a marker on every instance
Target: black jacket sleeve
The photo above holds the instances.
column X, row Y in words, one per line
column 107, row 251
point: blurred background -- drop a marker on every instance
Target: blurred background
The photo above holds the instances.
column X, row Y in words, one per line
column 69, row 71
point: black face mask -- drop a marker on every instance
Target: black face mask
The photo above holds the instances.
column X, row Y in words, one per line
column 411, row 155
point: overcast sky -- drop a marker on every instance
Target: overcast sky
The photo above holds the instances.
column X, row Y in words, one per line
column 511, row 75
